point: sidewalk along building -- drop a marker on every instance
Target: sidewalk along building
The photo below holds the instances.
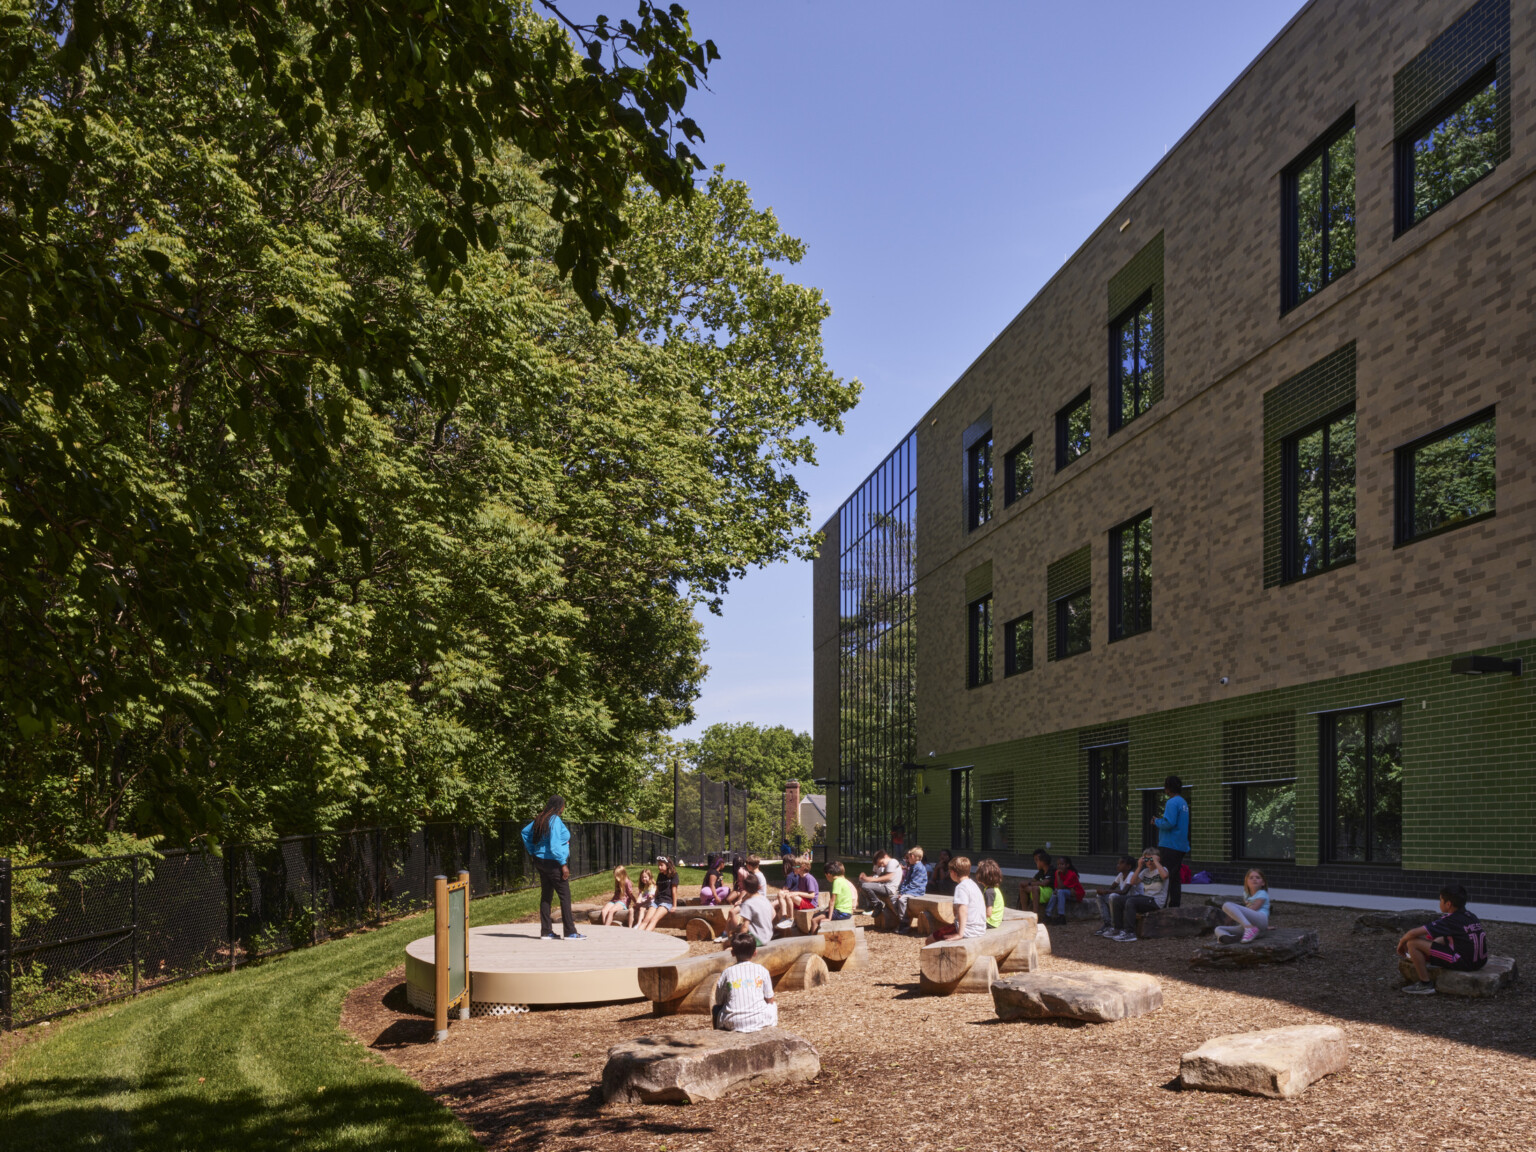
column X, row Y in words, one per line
column 1244, row 494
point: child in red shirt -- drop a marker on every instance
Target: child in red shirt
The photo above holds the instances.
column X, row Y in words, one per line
column 1069, row 887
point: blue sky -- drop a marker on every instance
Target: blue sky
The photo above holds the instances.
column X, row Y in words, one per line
column 941, row 161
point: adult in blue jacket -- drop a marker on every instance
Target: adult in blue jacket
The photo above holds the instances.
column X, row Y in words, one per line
column 548, row 842
column 1173, row 835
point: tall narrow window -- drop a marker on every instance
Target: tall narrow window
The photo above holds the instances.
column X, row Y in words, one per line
column 1362, row 777
column 1450, row 150
column 1074, row 623
column 1019, row 471
column 994, row 825
column 1130, row 577
column 1318, row 497
column 1073, row 430
column 1132, row 363
column 978, row 482
column 1318, row 215
column 979, row 642
column 1019, row 645
column 1109, row 773
column 1447, row 479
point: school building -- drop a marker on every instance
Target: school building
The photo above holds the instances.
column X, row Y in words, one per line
column 1245, row 494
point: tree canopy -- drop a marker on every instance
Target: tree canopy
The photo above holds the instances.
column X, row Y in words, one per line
column 379, row 398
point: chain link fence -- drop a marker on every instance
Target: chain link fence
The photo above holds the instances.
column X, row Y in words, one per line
column 78, row 933
column 710, row 818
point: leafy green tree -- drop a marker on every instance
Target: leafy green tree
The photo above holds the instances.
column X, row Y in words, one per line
column 307, row 524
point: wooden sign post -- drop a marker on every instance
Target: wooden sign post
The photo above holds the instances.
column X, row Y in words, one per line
column 450, row 952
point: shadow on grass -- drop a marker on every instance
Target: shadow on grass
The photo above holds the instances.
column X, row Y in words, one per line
column 76, row 1112
column 526, row 1110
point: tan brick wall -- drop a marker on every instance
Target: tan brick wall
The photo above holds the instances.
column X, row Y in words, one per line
column 1443, row 322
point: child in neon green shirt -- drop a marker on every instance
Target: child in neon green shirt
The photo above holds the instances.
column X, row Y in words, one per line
column 844, row 897
column 991, row 877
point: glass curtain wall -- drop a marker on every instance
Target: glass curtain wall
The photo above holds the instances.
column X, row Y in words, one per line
column 877, row 669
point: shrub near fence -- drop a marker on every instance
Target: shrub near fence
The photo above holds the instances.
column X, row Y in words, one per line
column 77, row 933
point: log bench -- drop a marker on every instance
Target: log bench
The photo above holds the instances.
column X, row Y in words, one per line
column 680, row 917
column 687, row 984
column 803, row 916
column 946, row 964
column 926, row 913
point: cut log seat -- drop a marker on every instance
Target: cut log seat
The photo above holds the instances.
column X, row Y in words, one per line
column 686, row 985
column 945, row 963
column 678, row 918
column 803, row 916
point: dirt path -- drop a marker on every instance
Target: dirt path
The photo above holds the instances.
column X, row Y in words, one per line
column 908, row 1073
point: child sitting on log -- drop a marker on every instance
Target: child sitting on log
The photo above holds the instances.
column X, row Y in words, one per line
column 801, row 895
column 755, row 914
column 1252, row 915
column 970, row 908
column 1123, row 886
column 644, row 897
column 1456, row 940
column 744, row 993
column 714, row 890
column 623, row 896
column 844, row 896
column 991, row 877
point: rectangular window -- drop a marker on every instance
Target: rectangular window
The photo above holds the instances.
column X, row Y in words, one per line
column 1362, row 777
column 1074, row 623
column 1264, row 821
column 1132, row 363
column 1449, row 151
column 1318, row 214
column 994, row 825
column 979, row 642
column 1318, row 497
column 1109, row 775
column 1447, row 479
column 1019, row 471
column 1073, row 430
column 978, row 482
column 1019, row 645
column 1130, row 578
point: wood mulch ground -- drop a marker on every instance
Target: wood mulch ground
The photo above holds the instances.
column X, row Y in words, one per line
column 908, row 1073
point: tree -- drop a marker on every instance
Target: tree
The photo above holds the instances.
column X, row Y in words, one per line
column 306, row 526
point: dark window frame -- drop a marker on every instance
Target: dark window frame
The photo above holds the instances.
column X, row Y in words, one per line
column 1239, row 801
column 1403, row 150
column 1118, row 629
column 978, row 495
column 1059, row 622
column 1011, row 494
column 1063, row 414
column 1010, row 646
column 1290, row 497
column 1327, row 781
column 978, row 637
column 1120, row 823
column 1143, row 303
column 1403, row 475
column 988, row 843
column 1290, row 213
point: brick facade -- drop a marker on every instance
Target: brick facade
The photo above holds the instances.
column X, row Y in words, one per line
column 1436, row 323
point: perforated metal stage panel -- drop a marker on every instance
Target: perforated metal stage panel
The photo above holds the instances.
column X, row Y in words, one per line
column 510, row 967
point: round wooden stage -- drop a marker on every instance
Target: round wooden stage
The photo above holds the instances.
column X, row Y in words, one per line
column 511, row 967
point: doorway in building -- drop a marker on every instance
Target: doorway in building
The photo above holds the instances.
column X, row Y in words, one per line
column 960, row 809
column 1109, row 778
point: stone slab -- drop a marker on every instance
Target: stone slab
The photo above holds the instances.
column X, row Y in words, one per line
column 689, row 1067
column 1280, row 1063
column 1395, row 922
column 1277, row 946
column 1489, row 980
column 1096, row 997
column 1174, row 923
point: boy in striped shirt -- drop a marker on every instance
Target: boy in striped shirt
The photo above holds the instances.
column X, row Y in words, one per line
column 744, row 993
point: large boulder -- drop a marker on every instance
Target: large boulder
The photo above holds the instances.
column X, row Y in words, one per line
column 1280, row 1063
column 1188, row 920
column 1394, row 922
column 1489, row 980
column 687, row 1067
column 1096, row 997
column 1274, row 947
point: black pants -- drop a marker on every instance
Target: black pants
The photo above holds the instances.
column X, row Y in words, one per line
column 1173, row 860
column 551, row 880
column 1130, row 908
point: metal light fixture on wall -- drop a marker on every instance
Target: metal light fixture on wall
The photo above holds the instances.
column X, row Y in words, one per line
column 1483, row 665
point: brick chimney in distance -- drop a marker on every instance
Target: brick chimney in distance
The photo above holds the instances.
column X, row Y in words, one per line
column 791, row 803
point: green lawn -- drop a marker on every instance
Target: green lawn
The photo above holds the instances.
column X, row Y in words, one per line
column 250, row 1060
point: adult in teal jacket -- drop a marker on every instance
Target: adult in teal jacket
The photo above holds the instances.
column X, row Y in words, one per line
column 548, row 842
column 1173, row 835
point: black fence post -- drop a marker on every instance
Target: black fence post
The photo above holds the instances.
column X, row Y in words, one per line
column 229, row 896
column 314, row 890
column 378, row 875
column 5, row 944
column 133, row 926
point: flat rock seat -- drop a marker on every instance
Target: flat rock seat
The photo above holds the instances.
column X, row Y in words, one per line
column 1395, row 922
column 1095, row 997
column 1276, row 946
column 1280, row 1063
column 1171, row 923
column 1489, row 980
column 690, row 1067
